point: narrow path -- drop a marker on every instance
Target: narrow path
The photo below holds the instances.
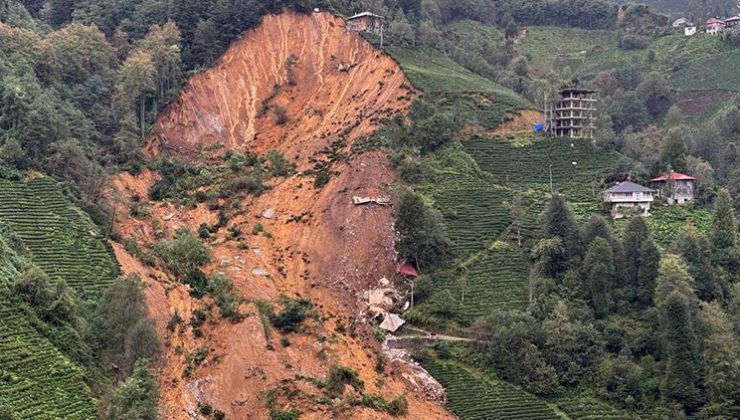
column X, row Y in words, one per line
column 426, row 335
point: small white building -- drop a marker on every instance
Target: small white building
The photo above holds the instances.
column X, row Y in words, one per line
column 715, row 26
column 689, row 30
column 628, row 199
column 675, row 188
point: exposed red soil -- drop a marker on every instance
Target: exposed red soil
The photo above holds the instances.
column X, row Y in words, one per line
column 699, row 101
column 521, row 123
column 336, row 252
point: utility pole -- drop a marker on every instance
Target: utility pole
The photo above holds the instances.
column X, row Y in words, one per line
column 552, row 191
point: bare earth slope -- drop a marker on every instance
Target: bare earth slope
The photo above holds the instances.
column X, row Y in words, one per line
column 324, row 84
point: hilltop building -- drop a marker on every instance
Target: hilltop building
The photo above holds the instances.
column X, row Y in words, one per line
column 732, row 22
column 714, row 26
column 574, row 115
column 628, row 199
column 366, row 22
column 675, row 188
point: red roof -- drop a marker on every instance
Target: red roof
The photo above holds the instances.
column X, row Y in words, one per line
column 675, row 176
column 714, row 21
column 407, row 270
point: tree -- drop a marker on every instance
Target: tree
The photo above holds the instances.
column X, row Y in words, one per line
column 694, row 248
column 598, row 227
column 635, row 235
column 136, row 81
column 162, row 43
column 724, row 231
column 682, row 372
column 599, row 267
column 559, row 222
column 655, row 93
column 183, row 254
column 134, row 399
column 422, row 237
column 121, row 330
column 517, row 212
column 628, row 112
column 673, row 151
column 721, row 356
column 647, row 273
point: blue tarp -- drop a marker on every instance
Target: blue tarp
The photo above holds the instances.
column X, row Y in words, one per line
column 539, row 127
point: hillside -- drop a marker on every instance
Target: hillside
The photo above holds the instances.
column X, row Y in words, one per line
column 275, row 89
column 38, row 380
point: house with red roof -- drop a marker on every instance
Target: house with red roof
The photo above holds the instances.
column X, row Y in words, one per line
column 714, row 26
column 732, row 22
column 675, row 188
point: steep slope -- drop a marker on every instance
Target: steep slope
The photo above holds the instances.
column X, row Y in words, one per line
column 306, row 87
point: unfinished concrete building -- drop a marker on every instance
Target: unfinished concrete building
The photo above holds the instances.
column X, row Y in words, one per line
column 574, row 115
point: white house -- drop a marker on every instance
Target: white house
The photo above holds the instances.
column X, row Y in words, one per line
column 715, row 26
column 629, row 199
column 689, row 30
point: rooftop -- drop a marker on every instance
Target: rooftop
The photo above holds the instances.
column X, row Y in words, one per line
column 628, row 187
column 365, row 14
column 675, row 176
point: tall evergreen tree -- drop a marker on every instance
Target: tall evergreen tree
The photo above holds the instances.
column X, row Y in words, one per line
column 724, row 231
column 559, row 222
column 647, row 273
column 694, row 248
column 635, row 235
column 682, row 372
column 599, row 269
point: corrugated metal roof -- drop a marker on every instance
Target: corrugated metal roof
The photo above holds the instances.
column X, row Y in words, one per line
column 364, row 14
column 675, row 176
column 628, row 187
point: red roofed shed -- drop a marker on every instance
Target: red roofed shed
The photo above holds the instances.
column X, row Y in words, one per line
column 407, row 269
column 675, row 188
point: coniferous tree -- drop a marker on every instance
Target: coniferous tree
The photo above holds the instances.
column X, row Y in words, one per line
column 694, row 248
column 721, row 355
column 635, row 236
column 599, row 267
column 559, row 222
column 682, row 373
column 647, row 273
column 724, row 231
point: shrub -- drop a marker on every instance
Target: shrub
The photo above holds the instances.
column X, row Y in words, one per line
column 339, row 376
column 281, row 115
column 136, row 398
column 183, row 254
column 633, row 42
column 294, row 312
column 252, row 184
column 279, row 166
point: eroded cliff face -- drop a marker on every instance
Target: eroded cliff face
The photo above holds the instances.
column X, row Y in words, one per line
column 294, row 81
column 298, row 84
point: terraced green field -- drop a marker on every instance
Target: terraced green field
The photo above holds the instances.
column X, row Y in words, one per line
column 456, row 87
column 578, row 168
column 62, row 240
column 581, row 407
column 692, row 63
column 36, row 380
column 472, row 395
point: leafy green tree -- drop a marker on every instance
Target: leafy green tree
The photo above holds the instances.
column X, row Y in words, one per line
column 422, row 235
column 162, row 43
column 183, row 254
column 550, row 257
column 135, row 84
column 655, row 93
column 121, row 331
column 135, row 398
column 598, row 227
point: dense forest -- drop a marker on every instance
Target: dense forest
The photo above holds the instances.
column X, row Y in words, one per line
column 648, row 328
